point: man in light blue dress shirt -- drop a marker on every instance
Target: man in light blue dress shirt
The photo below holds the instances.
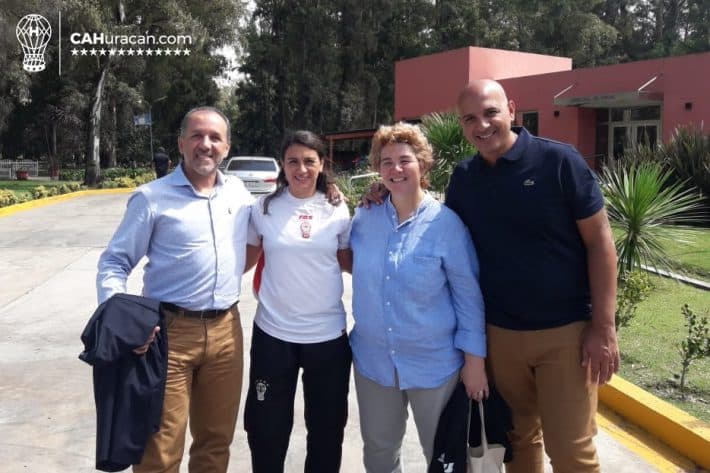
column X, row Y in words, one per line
column 192, row 226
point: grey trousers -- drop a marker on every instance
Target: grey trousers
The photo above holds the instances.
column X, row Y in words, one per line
column 383, row 420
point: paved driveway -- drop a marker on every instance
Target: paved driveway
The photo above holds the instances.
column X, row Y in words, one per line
column 48, row 258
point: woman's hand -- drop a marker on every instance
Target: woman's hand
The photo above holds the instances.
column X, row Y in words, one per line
column 473, row 375
column 335, row 195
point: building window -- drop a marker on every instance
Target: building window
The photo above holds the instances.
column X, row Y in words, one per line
column 632, row 114
column 617, row 114
column 645, row 113
column 627, row 127
column 530, row 122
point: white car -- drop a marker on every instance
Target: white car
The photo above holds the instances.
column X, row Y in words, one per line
column 258, row 173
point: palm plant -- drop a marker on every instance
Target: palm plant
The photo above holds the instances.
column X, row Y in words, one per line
column 646, row 209
column 688, row 154
column 450, row 146
column 641, row 153
column 353, row 189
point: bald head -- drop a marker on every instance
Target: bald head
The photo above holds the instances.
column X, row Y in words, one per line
column 486, row 115
column 483, row 88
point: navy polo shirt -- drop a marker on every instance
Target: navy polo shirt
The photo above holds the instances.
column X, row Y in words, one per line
column 522, row 215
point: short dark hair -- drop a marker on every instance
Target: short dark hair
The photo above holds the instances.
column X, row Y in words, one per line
column 309, row 140
column 206, row 108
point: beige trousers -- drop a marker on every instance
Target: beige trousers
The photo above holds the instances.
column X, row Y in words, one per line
column 204, row 384
column 539, row 374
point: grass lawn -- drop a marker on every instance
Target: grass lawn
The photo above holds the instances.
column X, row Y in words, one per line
column 694, row 257
column 691, row 252
column 649, row 346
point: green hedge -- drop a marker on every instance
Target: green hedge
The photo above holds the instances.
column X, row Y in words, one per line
column 71, row 175
column 110, row 174
column 8, row 197
column 128, row 181
column 112, row 179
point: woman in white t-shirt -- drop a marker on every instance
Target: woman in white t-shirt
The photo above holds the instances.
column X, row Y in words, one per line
column 300, row 320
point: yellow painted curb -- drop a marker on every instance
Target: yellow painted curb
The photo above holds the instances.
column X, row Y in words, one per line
column 681, row 431
column 648, row 447
column 33, row 204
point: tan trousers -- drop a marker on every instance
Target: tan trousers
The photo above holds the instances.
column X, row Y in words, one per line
column 539, row 374
column 204, row 384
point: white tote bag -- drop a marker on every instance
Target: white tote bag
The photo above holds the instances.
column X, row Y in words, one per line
column 486, row 458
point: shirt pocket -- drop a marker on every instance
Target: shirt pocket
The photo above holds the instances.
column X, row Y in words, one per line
column 425, row 276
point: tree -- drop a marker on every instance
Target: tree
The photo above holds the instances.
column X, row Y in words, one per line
column 14, row 82
column 323, row 65
column 88, row 110
column 696, row 36
column 696, row 345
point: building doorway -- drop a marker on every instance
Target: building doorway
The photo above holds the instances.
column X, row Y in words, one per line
column 620, row 129
column 628, row 136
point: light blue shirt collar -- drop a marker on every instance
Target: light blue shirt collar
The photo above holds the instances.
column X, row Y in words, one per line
column 391, row 210
column 178, row 178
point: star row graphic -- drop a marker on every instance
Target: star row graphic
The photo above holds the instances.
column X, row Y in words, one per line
column 130, row 52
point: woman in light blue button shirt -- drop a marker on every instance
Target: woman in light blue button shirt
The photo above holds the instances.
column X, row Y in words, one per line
column 418, row 309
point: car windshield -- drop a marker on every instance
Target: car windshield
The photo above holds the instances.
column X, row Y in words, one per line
column 251, row 165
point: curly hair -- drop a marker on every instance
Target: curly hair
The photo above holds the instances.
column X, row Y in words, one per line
column 406, row 133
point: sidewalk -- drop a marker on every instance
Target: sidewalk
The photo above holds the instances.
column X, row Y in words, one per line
column 47, row 421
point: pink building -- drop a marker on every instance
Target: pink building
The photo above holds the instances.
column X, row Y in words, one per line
column 600, row 110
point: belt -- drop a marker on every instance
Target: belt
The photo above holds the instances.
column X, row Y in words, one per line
column 195, row 314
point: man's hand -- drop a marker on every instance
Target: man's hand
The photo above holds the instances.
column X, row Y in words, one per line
column 144, row 348
column 600, row 351
column 334, row 195
column 473, row 375
column 375, row 195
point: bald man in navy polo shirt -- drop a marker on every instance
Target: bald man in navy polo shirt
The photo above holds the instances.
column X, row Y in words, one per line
column 548, row 277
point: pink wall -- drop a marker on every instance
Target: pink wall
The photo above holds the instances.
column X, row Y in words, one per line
column 428, row 83
column 536, row 94
column 685, row 79
column 586, row 120
column 431, row 83
column 679, row 80
column 486, row 63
